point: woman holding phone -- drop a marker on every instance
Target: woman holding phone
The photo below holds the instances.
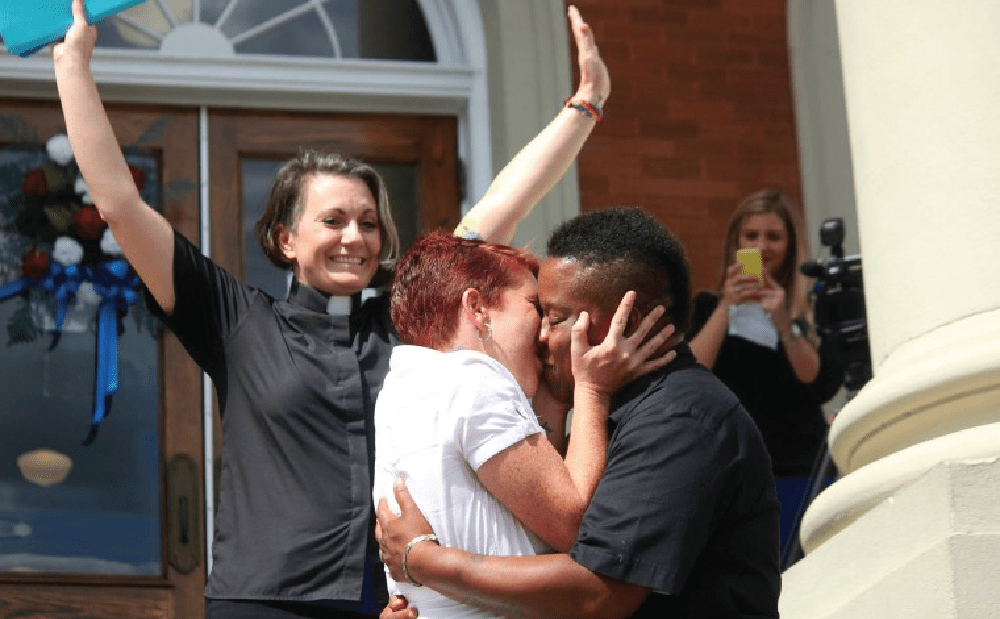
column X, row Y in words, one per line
column 756, row 334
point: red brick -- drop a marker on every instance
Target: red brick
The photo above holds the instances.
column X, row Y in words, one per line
column 671, row 167
column 700, row 114
column 669, row 15
column 724, row 57
column 705, row 21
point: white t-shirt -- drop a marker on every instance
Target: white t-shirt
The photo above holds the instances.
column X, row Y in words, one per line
column 438, row 418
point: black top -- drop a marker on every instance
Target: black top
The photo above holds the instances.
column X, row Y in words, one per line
column 687, row 503
column 787, row 411
column 297, row 391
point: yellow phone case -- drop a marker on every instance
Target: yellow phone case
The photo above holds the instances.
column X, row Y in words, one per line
column 751, row 261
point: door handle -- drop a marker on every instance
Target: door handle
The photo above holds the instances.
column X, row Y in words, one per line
column 183, row 517
column 183, row 514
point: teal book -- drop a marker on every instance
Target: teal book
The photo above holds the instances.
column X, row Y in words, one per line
column 28, row 25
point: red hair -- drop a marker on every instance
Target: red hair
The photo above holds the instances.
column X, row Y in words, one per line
column 432, row 275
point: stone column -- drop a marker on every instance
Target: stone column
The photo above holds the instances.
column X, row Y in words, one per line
column 922, row 81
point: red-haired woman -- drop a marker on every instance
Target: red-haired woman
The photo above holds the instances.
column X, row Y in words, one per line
column 454, row 419
column 756, row 334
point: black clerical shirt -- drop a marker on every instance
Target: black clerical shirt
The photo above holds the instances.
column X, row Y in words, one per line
column 297, row 390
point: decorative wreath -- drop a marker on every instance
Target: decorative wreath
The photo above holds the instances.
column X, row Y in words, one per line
column 72, row 256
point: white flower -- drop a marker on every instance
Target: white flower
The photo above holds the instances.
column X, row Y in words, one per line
column 109, row 244
column 80, row 186
column 67, row 251
column 59, row 149
column 86, row 294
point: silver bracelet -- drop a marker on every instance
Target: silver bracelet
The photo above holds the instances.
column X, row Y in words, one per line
column 426, row 537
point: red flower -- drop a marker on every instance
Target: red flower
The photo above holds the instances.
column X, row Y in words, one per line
column 35, row 183
column 35, row 263
column 88, row 224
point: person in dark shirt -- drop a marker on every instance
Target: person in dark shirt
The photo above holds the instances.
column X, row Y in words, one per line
column 297, row 379
column 684, row 522
column 756, row 335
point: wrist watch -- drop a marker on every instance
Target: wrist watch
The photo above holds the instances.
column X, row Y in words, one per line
column 798, row 329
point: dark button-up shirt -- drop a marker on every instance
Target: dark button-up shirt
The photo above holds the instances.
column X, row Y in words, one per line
column 687, row 504
column 297, row 391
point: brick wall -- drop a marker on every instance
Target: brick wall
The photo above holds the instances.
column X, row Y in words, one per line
column 700, row 114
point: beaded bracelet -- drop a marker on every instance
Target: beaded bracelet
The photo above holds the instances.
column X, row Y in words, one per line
column 586, row 107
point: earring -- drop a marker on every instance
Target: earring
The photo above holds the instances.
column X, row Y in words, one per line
column 489, row 334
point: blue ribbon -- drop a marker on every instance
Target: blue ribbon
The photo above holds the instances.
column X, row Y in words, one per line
column 14, row 288
column 116, row 284
column 63, row 282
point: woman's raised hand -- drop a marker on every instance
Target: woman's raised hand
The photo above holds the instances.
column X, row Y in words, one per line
column 772, row 301
column 79, row 40
column 619, row 359
column 741, row 288
column 595, row 82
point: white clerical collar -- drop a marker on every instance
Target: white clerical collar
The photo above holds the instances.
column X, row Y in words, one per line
column 338, row 306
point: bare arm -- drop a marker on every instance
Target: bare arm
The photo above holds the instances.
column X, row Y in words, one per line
column 542, row 586
column 530, row 478
column 143, row 234
column 544, row 160
column 802, row 352
column 803, row 356
column 707, row 343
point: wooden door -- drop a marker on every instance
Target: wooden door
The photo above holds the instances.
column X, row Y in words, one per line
column 416, row 156
column 120, row 535
column 61, row 564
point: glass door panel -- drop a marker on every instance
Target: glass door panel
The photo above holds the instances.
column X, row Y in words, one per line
column 80, row 502
column 62, row 509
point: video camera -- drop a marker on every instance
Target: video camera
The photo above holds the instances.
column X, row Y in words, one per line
column 840, row 304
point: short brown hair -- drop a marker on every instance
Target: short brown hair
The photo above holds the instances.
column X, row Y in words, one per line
column 285, row 204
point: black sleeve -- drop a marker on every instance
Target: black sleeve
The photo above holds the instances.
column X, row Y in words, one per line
column 704, row 304
column 208, row 304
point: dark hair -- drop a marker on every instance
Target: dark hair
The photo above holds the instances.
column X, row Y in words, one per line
column 762, row 202
column 432, row 275
column 285, row 204
column 628, row 250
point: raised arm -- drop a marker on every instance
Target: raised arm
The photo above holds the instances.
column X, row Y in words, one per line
column 550, row 495
column 543, row 161
column 143, row 234
column 802, row 352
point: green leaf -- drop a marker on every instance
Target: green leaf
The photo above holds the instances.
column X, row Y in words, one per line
column 21, row 327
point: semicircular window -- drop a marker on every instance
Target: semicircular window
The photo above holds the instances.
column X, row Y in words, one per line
column 370, row 29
